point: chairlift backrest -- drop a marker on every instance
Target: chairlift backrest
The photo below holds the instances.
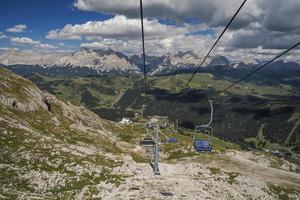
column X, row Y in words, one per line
column 204, row 145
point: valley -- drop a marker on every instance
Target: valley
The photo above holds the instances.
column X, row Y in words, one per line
column 61, row 138
column 270, row 102
column 53, row 149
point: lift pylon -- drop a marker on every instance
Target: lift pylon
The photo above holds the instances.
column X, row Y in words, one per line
column 156, row 147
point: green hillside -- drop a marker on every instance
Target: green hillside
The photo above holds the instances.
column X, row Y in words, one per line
column 239, row 115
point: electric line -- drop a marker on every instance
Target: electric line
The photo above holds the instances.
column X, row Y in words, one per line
column 143, row 44
column 259, row 68
column 196, row 71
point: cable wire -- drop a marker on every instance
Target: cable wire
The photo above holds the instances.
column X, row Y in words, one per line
column 259, row 68
column 143, row 44
column 231, row 20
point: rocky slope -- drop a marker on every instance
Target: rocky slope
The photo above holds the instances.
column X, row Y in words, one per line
column 49, row 148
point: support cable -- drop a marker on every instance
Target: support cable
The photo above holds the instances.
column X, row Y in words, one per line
column 143, row 45
column 231, row 20
column 254, row 71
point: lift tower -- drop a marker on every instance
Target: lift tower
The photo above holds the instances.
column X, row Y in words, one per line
column 156, row 146
column 156, row 122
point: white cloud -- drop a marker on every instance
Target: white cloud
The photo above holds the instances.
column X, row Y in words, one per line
column 46, row 46
column 263, row 18
column 260, row 30
column 63, row 51
column 117, row 27
column 274, row 14
column 8, row 48
column 58, row 35
column 211, row 12
column 17, row 28
column 283, row 16
column 25, row 41
column 155, row 46
column 3, row 36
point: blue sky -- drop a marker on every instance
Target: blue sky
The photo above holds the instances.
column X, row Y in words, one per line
column 40, row 16
column 43, row 15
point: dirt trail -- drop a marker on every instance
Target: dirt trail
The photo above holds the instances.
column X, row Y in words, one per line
column 184, row 181
column 228, row 176
column 287, row 141
column 117, row 99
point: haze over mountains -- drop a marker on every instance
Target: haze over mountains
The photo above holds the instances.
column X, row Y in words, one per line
column 103, row 61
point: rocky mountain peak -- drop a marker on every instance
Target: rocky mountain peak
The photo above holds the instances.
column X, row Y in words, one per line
column 218, row 61
column 182, row 54
column 99, row 60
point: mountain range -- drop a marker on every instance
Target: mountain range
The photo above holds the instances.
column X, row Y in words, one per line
column 96, row 61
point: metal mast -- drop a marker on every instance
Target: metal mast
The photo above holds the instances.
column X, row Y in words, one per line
column 156, row 147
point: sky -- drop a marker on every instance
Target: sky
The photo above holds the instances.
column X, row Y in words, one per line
column 261, row 30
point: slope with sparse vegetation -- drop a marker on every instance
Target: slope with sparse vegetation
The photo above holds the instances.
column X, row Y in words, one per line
column 50, row 148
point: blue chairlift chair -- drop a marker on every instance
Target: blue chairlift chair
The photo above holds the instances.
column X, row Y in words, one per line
column 172, row 140
column 204, row 145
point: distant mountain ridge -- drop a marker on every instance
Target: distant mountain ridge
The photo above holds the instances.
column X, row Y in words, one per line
column 97, row 61
column 171, row 63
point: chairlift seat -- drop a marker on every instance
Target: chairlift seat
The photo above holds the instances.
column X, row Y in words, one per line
column 202, row 146
column 147, row 141
column 172, row 140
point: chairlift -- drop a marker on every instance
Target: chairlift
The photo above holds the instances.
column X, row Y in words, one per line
column 172, row 140
column 204, row 145
column 147, row 141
